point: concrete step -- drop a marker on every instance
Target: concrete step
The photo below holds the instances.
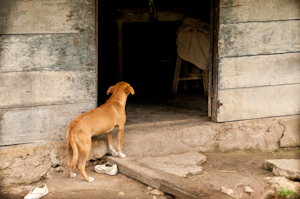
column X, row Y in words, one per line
column 180, row 136
column 289, row 168
column 160, row 173
column 182, row 165
column 163, row 138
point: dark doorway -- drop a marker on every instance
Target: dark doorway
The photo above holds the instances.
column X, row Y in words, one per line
column 149, row 58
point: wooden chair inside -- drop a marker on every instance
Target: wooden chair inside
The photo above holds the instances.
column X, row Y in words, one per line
column 186, row 76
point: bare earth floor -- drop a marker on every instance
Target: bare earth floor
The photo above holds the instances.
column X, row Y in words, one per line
column 185, row 106
column 104, row 187
column 232, row 170
column 235, row 170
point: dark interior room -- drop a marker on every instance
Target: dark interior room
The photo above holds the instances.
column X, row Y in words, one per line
column 149, row 59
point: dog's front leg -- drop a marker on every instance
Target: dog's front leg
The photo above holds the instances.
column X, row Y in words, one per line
column 111, row 145
column 120, row 138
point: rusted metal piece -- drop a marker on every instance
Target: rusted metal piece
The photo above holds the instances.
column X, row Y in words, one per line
column 219, row 104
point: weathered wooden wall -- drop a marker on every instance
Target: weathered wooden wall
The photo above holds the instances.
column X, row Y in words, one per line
column 47, row 67
column 259, row 59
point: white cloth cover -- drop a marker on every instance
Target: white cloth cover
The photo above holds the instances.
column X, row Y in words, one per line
column 193, row 41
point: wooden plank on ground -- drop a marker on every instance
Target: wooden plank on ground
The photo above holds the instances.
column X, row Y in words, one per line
column 264, row 70
column 47, row 52
column 258, row 102
column 46, row 16
column 41, row 123
column 46, row 87
column 245, row 39
column 168, row 183
column 235, row 11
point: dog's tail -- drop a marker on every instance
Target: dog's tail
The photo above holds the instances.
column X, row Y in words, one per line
column 69, row 150
column 71, row 141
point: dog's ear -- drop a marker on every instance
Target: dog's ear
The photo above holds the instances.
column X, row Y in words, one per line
column 110, row 90
column 129, row 89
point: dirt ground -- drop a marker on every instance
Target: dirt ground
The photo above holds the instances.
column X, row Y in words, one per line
column 60, row 186
column 232, row 170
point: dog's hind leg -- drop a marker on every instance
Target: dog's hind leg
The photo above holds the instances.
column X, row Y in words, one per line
column 120, row 139
column 84, row 148
column 111, row 145
column 70, row 155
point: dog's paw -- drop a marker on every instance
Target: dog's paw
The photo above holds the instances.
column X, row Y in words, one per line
column 91, row 179
column 122, row 155
column 73, row 175
column 116, row 154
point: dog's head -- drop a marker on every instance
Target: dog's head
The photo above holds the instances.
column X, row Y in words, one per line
column 124, row 86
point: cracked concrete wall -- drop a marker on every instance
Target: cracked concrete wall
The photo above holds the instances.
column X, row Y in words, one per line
column 264, row 134
column 261, row 134
column 291, row 135
column 29, row 162
column 251, row 134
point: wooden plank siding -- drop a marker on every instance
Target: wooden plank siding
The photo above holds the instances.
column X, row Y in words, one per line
column 47, row 52
column 40, row 88
column 237, row 11
column 38, row 123
column 48, row 69
column 258, row 59
column 46, row 16
column 256, row 38
column 261, row 70
column 259, row 102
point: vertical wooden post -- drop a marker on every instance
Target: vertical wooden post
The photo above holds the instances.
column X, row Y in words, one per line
column 96, row 51
column 120, row 48
column 215, row 59
column 205, row 74
column 185, row 71
column 176, row 75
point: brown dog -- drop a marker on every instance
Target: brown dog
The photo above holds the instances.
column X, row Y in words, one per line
column 100, row 120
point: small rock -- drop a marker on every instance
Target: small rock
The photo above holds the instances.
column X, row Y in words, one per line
column 59, row 169
column 157, row 192
column 268, row 194
column 277, row 182
column 239, row 185
column 121, row 193
column 150, row 188
column 227, row 191
column 230, row 192
column 289, row 168
column 248, row 189
column 154, row 197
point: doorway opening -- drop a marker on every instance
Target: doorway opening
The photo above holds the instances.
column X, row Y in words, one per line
column 148, row 56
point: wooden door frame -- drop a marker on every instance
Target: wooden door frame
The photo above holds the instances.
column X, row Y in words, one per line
column 213, row 57
column 97, row 50
column 215, row 23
